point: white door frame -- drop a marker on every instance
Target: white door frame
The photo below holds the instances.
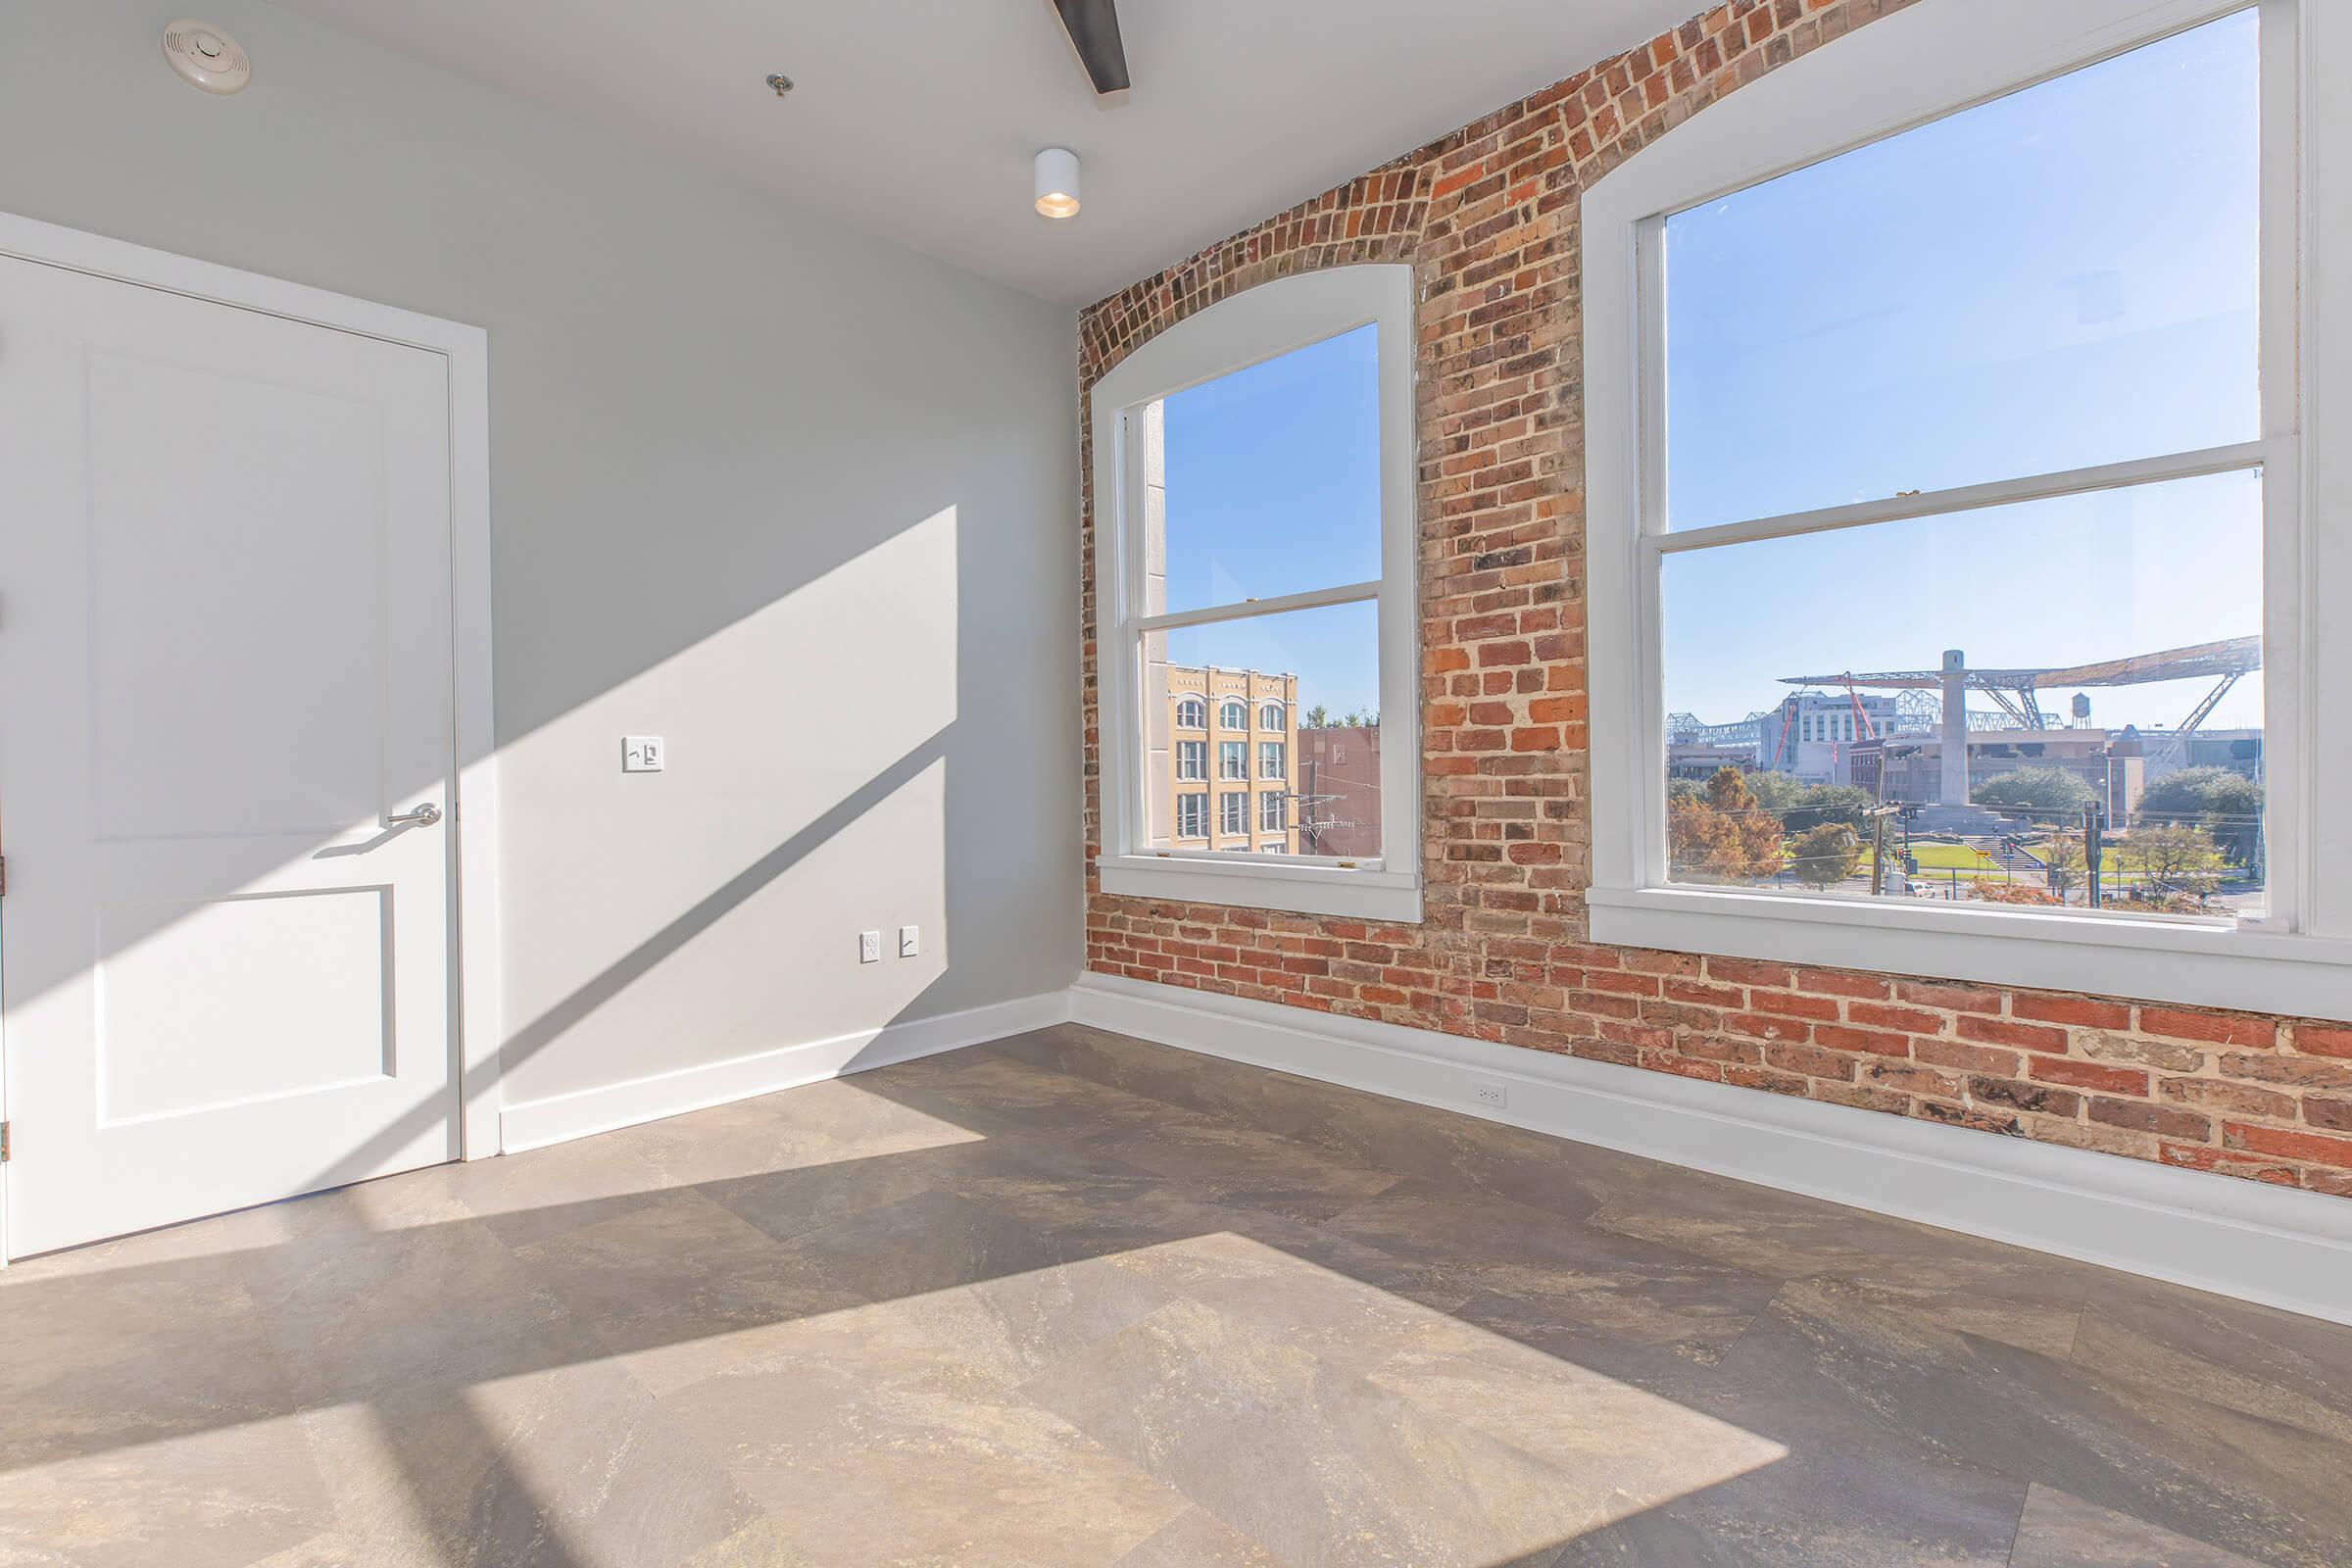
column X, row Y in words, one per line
column 474, row 914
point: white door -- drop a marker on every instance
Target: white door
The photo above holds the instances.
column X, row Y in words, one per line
column 224, row 670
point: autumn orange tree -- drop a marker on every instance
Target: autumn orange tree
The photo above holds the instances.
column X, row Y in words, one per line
column 1725, row 835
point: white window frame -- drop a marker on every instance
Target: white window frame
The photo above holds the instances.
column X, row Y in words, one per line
column 1233, row 814
column 1279, row 800
column 1228, row 752
column 1184, row 704
column 1248, row 329
column 1276, row 723
column 1280, row 757
column 1230, row 707
column 1918, row 65
column 1199, row 829
column 1191, row 761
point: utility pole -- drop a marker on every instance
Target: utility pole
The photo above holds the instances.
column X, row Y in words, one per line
column 2094, row 850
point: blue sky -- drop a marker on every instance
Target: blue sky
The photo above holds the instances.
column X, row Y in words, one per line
column 2061, row 277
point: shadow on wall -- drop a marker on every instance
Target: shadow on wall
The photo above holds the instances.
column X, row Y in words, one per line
column 822, row 781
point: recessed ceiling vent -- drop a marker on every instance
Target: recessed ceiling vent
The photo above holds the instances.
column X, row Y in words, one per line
column 206, row 57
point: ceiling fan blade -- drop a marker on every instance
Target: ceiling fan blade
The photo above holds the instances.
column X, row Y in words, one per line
column 1093, row 28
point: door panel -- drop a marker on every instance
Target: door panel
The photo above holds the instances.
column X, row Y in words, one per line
column 224, row 661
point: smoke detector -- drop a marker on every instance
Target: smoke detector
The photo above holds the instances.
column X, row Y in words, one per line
column 206, row 57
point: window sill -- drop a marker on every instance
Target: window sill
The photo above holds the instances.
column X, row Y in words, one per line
column 1390, row 897
column 2200, row 964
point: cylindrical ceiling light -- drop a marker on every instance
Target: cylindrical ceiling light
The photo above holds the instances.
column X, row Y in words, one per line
column 1057, row 182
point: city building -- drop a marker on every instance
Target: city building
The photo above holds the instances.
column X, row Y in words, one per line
column 1812, row 734
column 1339, row 790
column 2112, row 763
column 1223, row 748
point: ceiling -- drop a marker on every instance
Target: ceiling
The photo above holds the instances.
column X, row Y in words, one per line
column 916, row 120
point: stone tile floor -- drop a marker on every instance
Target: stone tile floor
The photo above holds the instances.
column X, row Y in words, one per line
column 1070, row 1299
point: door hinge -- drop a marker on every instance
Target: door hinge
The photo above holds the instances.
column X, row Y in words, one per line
column 4, row 1150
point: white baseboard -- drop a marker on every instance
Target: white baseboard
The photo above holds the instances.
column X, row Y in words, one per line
column 535, row 1123
column 2279, row 1246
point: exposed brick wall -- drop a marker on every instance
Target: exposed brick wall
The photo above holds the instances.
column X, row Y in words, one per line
column 1488, row 217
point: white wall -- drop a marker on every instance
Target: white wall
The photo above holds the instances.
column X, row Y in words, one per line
column 797, row 500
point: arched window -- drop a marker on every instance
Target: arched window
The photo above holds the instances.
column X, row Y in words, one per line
column 1233, row 713
column 1192, row 714
column 1270, row 716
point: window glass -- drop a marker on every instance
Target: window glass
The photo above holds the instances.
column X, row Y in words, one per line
column 1271, row 478
column 2104, row 653
column 2059, row 278
column 1233, row 760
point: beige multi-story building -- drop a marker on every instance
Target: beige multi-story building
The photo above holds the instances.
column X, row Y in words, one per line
column 1224, row 755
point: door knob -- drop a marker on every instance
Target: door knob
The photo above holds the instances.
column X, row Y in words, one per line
column 424, row 815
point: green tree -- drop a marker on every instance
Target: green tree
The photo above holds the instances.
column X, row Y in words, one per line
column 2173, row 857
column 2225, row 804
column 1826, row 855
column 1315, row 718
column 1848, row 805
column 2048, row 794
column 1723, row 835
column 2065, row 863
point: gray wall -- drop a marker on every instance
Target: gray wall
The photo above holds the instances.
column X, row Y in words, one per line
column 797, row 500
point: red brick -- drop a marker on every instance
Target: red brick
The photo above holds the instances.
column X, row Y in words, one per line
column 2090, row 1075
column 1948, row 997
column 2286, row 1145
column 2323, row 1042
column 2220, row 1028
column 2138, row 1115
column 2070, row 1009
column 2001, row 1032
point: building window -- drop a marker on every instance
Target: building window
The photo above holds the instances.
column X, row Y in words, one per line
column 1192, row 758
column 1192, row 713
column 1272, row 812
column 1233, row 812
column 1273, row 847
column 1901, row 350
column 1192, row 815
column 1288, row 405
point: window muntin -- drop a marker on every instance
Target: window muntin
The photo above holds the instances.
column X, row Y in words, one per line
column 1272, row 760
column 1273, row 807
column 1233, row 759
column 1192, row 713
column 1192, row 815
column 2144, row 599
column 1233, row 713
column 2062, row 278
column 1233, row 812
column 1192, row 760
column 1270, row 716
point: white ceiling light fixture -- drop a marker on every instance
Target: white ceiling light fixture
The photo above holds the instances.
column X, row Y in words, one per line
column 206, row 57
column 1056, row 183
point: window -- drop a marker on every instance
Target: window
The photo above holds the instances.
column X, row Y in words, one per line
column 1192, row 758
column 1255, row 491
column 1192, row 815
column 1233, row 812
column 1970, row 422
column 1272, row 809
column 1192, row 714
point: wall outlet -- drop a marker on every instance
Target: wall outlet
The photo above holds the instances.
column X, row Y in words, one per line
column 1490, row 1094
column 869, row 946
column 910, row 940
column 642, row 754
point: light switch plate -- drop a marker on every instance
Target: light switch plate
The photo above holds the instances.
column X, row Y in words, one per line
column 642, row 754
column 910, row 940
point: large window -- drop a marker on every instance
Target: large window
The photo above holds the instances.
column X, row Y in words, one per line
column 1192, row 760
column 1192, row 815
column 1255, row 485
column 1233, row 812
column 1946, row 537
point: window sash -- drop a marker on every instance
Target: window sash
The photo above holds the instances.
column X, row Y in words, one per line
column 2288, row 719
